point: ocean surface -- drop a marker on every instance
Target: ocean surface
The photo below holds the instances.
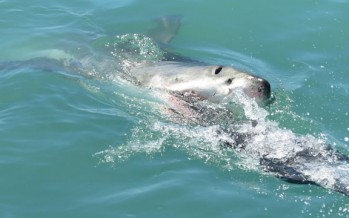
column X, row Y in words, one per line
column 79, row 141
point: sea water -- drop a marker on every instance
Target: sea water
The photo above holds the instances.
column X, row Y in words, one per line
column 84, row 142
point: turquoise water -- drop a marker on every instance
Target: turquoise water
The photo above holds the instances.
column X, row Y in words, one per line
column 89, row 145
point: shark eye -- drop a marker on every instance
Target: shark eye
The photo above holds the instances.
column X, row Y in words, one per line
column 228, row 81
column 218, row 70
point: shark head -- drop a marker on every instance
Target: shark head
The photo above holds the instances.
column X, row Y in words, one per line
column 216, row 83
column 213, row 83
column 231, row 80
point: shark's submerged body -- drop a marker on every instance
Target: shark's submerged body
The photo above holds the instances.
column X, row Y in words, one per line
column 187, row 83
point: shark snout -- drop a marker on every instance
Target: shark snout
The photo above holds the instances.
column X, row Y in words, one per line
column 258, row 89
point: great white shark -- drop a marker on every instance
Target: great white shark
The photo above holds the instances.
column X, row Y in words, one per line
column 186, row 82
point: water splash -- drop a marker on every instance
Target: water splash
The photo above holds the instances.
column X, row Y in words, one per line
column 309, row 154
column 266, row 140
column 130, row 48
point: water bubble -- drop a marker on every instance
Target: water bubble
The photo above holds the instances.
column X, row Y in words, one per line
column 346, row 139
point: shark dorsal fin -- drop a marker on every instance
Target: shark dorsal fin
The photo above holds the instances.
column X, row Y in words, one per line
column 166, row 29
